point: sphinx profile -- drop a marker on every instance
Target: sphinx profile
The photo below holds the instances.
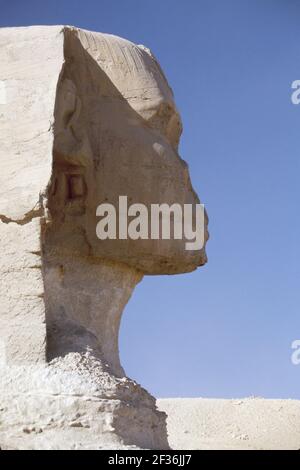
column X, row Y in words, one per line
column 84, row 119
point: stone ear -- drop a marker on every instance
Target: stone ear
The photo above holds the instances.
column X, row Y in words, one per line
column 68, row 190
column 76, row 186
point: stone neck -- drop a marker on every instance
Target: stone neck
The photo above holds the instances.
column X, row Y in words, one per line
column 84, row 302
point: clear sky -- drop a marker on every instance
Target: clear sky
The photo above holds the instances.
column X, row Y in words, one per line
column 225, row 330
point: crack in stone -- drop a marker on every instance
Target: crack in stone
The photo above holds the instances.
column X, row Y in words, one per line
column 28, row 217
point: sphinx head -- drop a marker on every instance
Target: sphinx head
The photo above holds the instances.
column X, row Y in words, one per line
column 117, row 131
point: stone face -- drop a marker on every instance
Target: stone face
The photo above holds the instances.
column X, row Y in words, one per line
column 116, row 133
column 84, row 118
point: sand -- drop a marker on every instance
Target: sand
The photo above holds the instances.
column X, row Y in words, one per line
column 250, row 423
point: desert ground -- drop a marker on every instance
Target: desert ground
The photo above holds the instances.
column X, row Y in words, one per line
column 249, row 423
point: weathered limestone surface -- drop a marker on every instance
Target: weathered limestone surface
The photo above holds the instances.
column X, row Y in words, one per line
column 84, row 118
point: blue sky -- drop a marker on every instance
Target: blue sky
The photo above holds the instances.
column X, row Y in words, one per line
column 225, row 330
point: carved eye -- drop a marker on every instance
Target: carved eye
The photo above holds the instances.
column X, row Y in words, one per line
column 167, row 121
column 160, row 119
